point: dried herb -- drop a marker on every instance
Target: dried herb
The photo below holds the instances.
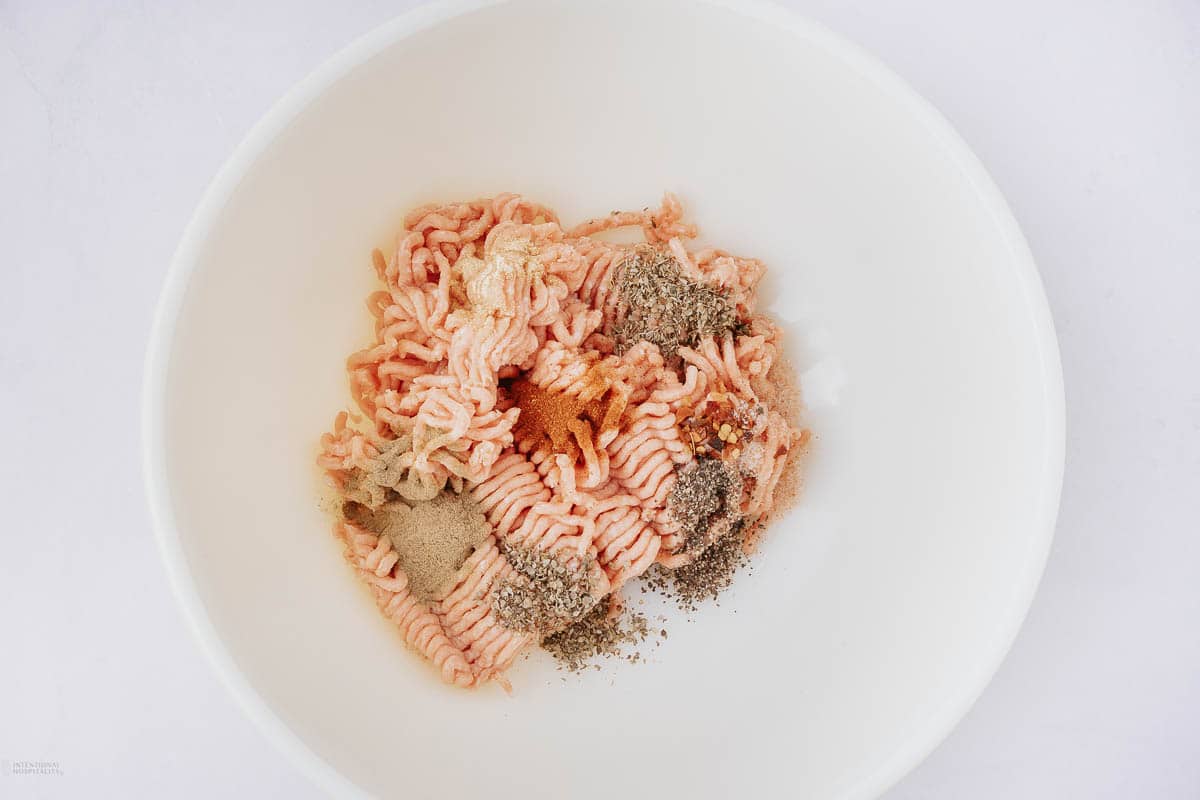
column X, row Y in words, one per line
column 599, row 633
column 546, row 594
column 660, row 305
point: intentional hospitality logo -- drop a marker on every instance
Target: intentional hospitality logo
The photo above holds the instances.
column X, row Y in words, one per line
column 30, row 767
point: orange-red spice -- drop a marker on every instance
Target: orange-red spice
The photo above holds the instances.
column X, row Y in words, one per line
column 567, row 423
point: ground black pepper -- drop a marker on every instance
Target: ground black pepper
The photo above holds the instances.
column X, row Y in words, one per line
column 705, row 502
column 703, row 579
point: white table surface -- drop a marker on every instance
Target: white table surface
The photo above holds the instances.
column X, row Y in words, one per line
column 114, row 116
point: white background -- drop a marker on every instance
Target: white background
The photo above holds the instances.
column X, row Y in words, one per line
column 113, row 117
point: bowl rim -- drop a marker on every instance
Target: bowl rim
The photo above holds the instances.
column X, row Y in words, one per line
column 162, row 336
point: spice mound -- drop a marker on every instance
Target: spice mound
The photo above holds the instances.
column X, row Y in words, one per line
column 705, row 578
column 575, row 425
column 705, row 503
column 547, row 593
column 661, row 305
column 431, row 538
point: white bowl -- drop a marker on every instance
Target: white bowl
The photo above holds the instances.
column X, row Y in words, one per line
column 876, row 612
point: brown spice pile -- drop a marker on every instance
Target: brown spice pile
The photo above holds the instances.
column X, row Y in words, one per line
column 432, row 539
column 570, row 424
column 599, row 633
column 545, row 595
column 660, row 305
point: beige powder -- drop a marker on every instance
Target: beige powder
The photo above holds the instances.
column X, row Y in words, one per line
column 781, row 390
column 432, row 538
column 389, row 475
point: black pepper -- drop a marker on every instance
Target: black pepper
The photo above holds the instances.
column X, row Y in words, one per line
column 703, row 579
column 704, row 501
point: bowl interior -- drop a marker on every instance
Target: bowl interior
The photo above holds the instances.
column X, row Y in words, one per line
column 875, row 612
